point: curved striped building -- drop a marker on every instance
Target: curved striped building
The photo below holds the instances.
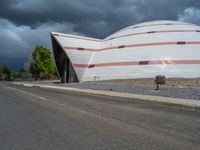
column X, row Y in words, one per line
column 140, row 51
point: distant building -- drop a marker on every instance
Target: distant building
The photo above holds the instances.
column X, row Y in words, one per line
column 140, row 51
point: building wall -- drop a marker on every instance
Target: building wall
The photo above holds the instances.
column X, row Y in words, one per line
column 140, row 51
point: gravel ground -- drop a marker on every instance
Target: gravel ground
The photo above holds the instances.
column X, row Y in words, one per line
column 172, row 82
column 178, row 88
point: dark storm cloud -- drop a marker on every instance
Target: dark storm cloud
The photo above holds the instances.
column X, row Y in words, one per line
column 25, row 23
column 91, row 16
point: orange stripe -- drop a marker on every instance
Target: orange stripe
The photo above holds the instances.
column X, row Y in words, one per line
column 141, row 33
column 174, row 62
column 81, row 38
column 117, row 64
column 131, row 46
column 81, row 65
column 126, row 35
column 148, row 25
column 151, row 62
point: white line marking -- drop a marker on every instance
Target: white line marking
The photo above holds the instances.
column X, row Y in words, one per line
column 34, row 95
column 41, row 97
column 25, row 92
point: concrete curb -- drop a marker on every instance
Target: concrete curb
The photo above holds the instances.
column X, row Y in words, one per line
column 194, row 104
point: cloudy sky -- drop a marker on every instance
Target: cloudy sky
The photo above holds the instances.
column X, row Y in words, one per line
column 26, row 23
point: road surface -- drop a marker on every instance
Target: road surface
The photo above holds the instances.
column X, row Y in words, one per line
column 32, row 118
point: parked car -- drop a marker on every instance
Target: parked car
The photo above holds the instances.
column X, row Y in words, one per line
column 8, row 78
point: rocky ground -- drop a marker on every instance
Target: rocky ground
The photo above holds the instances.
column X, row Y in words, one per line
column 172, row 82
column 177, row 88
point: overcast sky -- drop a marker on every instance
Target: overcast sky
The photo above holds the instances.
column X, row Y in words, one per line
column 25, row 23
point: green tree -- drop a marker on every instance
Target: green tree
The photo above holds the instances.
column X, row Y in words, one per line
column 1, row 69
column 41, row 65
column 6, row 70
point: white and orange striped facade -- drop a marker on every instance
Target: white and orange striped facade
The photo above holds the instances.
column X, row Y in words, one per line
column 141, row 51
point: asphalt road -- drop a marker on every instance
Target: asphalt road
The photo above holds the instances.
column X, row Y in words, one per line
column 44, row 119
